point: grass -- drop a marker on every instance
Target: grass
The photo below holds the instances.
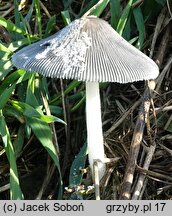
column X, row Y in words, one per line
column 34, row 110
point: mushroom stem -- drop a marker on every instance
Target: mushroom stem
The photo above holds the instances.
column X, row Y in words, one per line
column 94, row 126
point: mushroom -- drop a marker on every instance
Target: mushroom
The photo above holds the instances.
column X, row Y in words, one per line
column 88, row 50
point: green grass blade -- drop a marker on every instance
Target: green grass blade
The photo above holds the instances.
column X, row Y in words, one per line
column 40, row 126
column 38, row 17
column 15, row 190
column 39, row 123
column 44, row 134
column 11, row 26
column 5, row 68
column 51, row 23
column 29, row 14
column 19, row 141
column 5, row 95
column 128, row 28
column 16, row 13
column 78, row 105
column 94, row 8
column 4, row 49
column 115, row 12
column 75, row 176
column 169, row 128
column 87, row 7
column 13, row 112
column 36, row 113
column 66, row 17
column 70, row 87
column 50, row 119
column 138, row 16
column 98, row 8
column 30, row 97
column 124, row 17
column 11, row 79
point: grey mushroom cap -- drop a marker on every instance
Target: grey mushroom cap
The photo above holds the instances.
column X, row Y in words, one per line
column 88, row 49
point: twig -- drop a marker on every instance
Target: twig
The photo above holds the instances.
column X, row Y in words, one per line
column 163, row 73
column 163, row 109
column 5, row 35
column 167, row 149
column 121, row 119
column 154, row 174
column 169, row 9
column 96, row 173
column 50, row 171
column 141, row 179
column 159, row 23
column 5, row 13
column 163, row 45
column 168, row 122
column 108, row 175
column 135, row 145
column 48, row 14
column 5, row 188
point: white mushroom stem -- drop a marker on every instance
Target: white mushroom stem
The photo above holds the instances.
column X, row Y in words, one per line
column 94, row 126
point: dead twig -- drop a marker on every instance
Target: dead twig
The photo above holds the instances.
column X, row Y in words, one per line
column 140, row 182
column 163, row 45
column 121, row 119
column 135, row 145
column 155, row 174
column 47, row 179
column 167, row 67
column 158, row 27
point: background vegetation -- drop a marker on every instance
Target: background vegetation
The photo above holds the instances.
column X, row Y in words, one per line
column 43, row 151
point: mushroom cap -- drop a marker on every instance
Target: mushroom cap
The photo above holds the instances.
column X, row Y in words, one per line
column 90, row 50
